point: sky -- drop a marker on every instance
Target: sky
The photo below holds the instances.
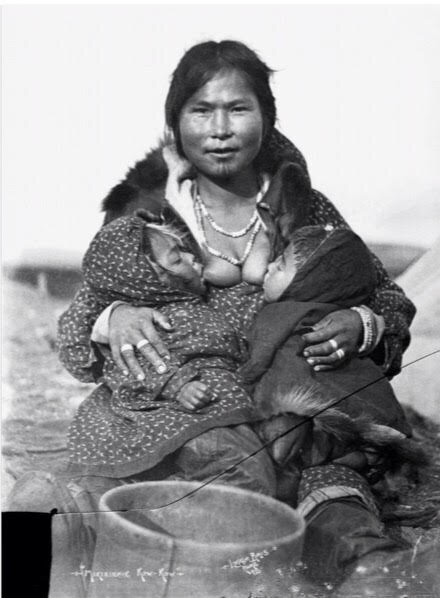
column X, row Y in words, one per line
column 357, row 88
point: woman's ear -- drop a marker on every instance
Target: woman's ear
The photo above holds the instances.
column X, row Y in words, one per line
column 168, row 136
column 178, row 167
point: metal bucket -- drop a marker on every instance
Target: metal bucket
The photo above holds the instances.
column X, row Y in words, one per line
column 218, row 542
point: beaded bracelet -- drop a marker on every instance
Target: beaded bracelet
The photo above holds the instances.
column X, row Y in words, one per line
column 369, row 326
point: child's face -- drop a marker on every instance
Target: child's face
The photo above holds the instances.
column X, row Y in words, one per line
column 279, row 275
column 177, row 262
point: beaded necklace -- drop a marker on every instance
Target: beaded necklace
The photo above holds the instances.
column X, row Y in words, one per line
column 253, row 225
column 221, row 230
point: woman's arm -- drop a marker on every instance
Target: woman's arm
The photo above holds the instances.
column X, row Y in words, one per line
column 388, row 300
column 130, row 325
column 398, row 311
column 76, row 350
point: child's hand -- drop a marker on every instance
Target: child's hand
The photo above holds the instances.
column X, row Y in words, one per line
column 193, row 395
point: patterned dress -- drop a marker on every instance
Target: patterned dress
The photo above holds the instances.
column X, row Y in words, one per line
column 139, row 423
column 144, row 187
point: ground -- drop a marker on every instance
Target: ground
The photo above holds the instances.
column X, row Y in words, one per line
column 40, row 398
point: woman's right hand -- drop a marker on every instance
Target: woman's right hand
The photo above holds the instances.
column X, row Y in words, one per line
column 129, row 326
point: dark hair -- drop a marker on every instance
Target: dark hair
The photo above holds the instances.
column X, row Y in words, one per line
column 201, row 63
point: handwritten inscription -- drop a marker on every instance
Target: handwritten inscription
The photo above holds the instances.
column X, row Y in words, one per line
column 250, row 564
column 162, row 573
column 141, row 573
column 94, row 576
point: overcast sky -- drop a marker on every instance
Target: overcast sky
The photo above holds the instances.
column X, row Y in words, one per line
column 358, row 91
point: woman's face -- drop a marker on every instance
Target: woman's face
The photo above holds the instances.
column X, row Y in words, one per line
column 221, row 127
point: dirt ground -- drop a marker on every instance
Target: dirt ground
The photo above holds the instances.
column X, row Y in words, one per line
column 40, row 398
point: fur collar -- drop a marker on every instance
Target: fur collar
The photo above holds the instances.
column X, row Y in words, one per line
column 144, row 183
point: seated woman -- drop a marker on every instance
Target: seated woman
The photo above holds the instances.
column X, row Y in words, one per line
column 228, row 162
column 228, row 184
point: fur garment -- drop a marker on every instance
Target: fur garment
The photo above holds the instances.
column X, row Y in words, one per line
column 162, row 173
column 362, row 432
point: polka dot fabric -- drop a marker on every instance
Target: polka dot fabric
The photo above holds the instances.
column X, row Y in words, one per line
column 117, row 266
column 108, row 437
column 129, row 426
column 388, row 300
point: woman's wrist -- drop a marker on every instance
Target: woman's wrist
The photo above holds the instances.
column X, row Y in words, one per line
column 373, row 327
column 100, row 330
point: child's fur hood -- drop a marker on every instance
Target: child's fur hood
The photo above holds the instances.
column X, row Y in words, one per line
column 314, row 404
column 144, row 184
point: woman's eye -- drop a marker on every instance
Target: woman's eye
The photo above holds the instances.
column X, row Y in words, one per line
column 239, row 109
column 200, row 110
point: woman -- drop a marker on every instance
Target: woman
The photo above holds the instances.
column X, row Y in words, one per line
column 228, row 187
column 228, row 161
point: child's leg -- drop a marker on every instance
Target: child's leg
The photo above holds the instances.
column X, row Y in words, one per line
column 227, row 451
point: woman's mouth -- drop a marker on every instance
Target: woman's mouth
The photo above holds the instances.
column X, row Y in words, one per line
column 224, row 152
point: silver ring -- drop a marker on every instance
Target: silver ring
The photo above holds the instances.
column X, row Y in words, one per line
column 333, row 344
column 143, row 343
column 340, row 353
column 126, row 348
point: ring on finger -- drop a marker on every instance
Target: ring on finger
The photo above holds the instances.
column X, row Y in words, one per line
column 126, row 348
column 143, row 343
column 333, row 344
column 340, row 353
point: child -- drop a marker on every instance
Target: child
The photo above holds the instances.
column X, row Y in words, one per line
column 139, row 261
column 320, row 271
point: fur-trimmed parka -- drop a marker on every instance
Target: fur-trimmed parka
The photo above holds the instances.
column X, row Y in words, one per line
column 145, row 187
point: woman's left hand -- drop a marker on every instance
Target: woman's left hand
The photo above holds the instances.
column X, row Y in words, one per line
column 335, row 339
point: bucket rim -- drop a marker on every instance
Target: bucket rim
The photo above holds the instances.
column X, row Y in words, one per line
column 285, row 539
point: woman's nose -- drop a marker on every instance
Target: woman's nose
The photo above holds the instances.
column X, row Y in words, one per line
column 221, row 124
